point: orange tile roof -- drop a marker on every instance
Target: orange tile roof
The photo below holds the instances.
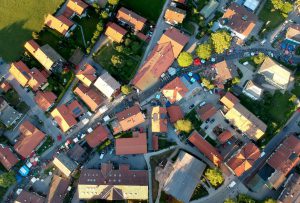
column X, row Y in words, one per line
column 244, row 159
column 90, row 96
column 37, row 79
column 63, row 117
column 115, row 32
column 224, row 136
column 174, row 15
column 61, row 24
column 87, row 75
column 137, row 144
column 75, row 108
column 223, row 71
column 31, row 46
column 207, row 149
column 159, row 122
column 45, row 99
column 5, row 86
column 130, row 117
column 99, row 135
column 131, row 18
column 7, row 158
column 29, row 139
column 206, row 111
column 229, row 100
column 175, row 90
column 175, row 113
column 20, row 72
column 77, row 6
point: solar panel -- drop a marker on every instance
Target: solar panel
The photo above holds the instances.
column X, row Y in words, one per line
column 77, row 111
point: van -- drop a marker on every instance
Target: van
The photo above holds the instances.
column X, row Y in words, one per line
column 202, row 103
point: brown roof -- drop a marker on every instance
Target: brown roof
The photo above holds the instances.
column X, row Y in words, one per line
column 293, row 32
column 131, row 18
column 180, row 1
column 75, row 108
column 286, row 156
column 223, row 71
column 7, row 158
column 291, row 191
column 130, row 117
column 174, row 90
column 76, row 153
column 45, row 99
column 77, row 6
column 137, row 144
column 58, row 190
column 155, row 144
column 37, row 79
column 63, row 117
column 207, row 149
column 29, row 139
column 175, row 113
column 115, row 32
column 206, row 111
column 87, row 74
column 29, row 197
column 159, row 120
column 224, row 136
column 244, row 159
column 91, row 96
column 99, row 135
column 229, row 100
column 5, row 86
column 174, row 15
column 239, row 19
column 60, row 23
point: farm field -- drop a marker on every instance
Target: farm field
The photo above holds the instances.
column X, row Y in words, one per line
column 19, row 18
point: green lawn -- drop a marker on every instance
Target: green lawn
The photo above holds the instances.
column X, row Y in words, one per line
column 46, row 145
column 163, row 143
column 126, row 134
column 18, row 19
column 199, row 192
column 149, row 9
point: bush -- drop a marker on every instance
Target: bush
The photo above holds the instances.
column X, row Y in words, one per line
column 184, row 126
column 259, row 58
column 113, row 2
column 7, row 179
column 214, row 176
column 126, row 89
column 104, row 14
column 185, row 59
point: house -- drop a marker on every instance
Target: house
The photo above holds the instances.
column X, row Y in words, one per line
column 8, row 115
column 209, row 8
column 175, row 90
column 29, row 197
column 106, row 84
column 159, row 122
column 58, row 190
column 130, row 118
column 77, row 153
column 5, row 86
column 45, row 55
column 64, row 164
column 175, row 113
column 63, row 117
column 206, row 148
column 75, row 108
column 160, row 59
column 242, row 118
column 174, row 15
column 45, row 100
column 252, row 91
column 137, row 144
column 252, row 4
column 293, row 33
column 275, row 74
column 184, row 177
column 207, row 111
column 77, row 7
column 7, row 158
column 113, row 184
column 60, row 23
column 115, row 32
column 239, row 21
column 291, row 190
column 130, row 18
column 283, row 160
column 223, row 72
column 99, row 135
column 30, row 139
column 243, row 159
column 90, row 96
column 87, row 75
column 224, row 136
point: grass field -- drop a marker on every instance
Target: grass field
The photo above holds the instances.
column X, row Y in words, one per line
column 149, row 9
column 19, row 18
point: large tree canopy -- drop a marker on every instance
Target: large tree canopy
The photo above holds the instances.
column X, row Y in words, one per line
column 221, row 41
column 214, row 176
column 204, row 51
column 7, row 179
column 184, row 126
column 185, row 59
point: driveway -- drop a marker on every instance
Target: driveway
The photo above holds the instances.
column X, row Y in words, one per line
column 247, row 73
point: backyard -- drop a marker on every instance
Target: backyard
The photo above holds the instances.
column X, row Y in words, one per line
column 19, row 21
column 46, row 145
column 14, row 100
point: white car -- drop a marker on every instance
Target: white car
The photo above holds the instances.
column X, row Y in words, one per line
column 252, row 53
column 90, row 130
column 101, row 155
column 202, row 103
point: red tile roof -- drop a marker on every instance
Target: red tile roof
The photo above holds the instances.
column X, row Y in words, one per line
column 155, row 144
column 87, row 74
column 99, row 135
column 130, row 117
column 75, row 108
column 63, row 117
column 29, row 197
column 207, row 111
column 115, row 32
column 175, row 90
column 77, row 6
column 37, row 79
column 58, row 190
column 229, row 100
column 5, row 86
column 45, row 99
column 7, row 158
column 244, row 159
column 131, row 18
column 224, row 136
column 223, row 71
column 175, row 113
column 137, row 144
column 207, row 149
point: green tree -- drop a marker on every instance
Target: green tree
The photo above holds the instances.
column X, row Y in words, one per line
column 119, row 48
column 35, row 35
column 127, row 42
column 235, row 81
column 185, row 59
column 113, row 2
column 270, row 200
column 104, row 14
column 287, row 7
column 96, row 34
column 277, row 4
column 116, row 60
column 214, row 176
column 230, row 200
column 245, row 199
column 126, row 89
column 207, row 83
column 204, row 51
column 184, row 126
column 135, row 47
column 259, row 58
column 221, row 41
column 99, row 27
column 7, row 179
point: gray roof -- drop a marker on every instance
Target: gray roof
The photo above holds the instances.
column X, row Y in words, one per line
column 71, row 165
column 110, row 80
column 9, row 115
column 209, row 8
column 51, row 53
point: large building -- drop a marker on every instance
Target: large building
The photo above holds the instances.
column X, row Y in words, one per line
column 137, row 144
column 58, row 190
column 60, row 24
column 113, row 184
column 7, row 158
column 130, row 18
column 106, row 84
column 64, row 164
column 29, row 197
column 291, row 191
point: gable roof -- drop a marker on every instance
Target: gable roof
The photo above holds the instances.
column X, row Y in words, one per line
column 75, row 108
column 130, row 117
column 174, row 15
column 64, row 164
column 77, row 6
column 63, row 117
column 61, row 24
column 244, row 159
column 29, row 197
column 20, row 72
column 29, row 139
column 137, row 144
column 131, row 18
column 224, row 136
column 204, row 147
column 159, row 122
column 115, row 32
column 175, row 113
column 45, row 100
column 293, row 32
column 107, row 84
column 7, row 158
column 229, row 100
column 37, row 79
column 58, row 190
column 31, row 46
column 223, row 71
column 175, row 90
column 99, row 135
column 87, row 75
column 5, row 86
column 76, row 153
column 253, row 90
column 206, row 111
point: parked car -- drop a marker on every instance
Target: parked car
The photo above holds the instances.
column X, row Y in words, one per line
column 192, row 106
column 212, row 120
column 101, row 155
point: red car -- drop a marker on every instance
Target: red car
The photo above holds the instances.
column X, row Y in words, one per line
column 197, row 62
